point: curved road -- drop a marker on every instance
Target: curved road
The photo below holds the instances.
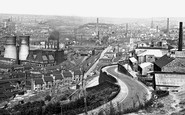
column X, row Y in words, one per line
column 137, row 92
column 119, row 98
column 131, row 94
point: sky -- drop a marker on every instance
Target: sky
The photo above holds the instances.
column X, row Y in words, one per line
column 96, row 8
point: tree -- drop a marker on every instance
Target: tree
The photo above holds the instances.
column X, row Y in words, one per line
column 112, row 110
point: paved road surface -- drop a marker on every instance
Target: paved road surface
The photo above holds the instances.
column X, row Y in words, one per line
column 137, row 91
column 119, row 98
column 131, row 94
column 93, row 82
column 95, row 64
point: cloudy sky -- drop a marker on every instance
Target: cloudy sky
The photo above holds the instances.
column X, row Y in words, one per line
column 96, row 8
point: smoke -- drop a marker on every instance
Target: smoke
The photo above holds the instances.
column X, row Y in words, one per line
column 54, row 35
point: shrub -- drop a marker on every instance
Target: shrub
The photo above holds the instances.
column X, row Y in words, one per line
column 101, row 112
column 53, row 108
column 160, row 105
column 4, row 112
column 34, row 108
column 182, row 102
column 161, row 93
column 48, row 98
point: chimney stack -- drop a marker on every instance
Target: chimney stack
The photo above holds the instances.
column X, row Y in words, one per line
column 97, row 24
column 168, row 26
column 126, row 30
column 157, row 28
column 24, row 47
column 180, row 36
column 10, row 48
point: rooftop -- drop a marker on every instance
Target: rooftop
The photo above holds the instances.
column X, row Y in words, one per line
column 67, row 74
column 48, row 79
column 78, row 72
column 58, row 77
column 155, row 52
column 132, row 59
column 143, row 65
column 39, row 81
column 164, row 60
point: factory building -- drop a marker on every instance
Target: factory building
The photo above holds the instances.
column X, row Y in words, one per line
column 44, row 57
column 18, row 48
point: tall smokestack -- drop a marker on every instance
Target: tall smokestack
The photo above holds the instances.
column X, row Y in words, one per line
column 97, row 24
column 157, row 28
column 180, row 36
column 24, row 47
column 168, row 22
column 126, row 30
column 10, row 48
column 58, row 44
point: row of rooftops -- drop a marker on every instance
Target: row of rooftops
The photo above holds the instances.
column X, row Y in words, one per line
column 164, row 56
column 40, row 78
column 41, row 56
column 56, row 76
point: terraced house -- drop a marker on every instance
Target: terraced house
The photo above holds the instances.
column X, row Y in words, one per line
column 68, row 77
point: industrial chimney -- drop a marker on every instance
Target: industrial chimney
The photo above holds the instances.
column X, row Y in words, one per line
column 168, row 26
column 10, row 48
column 97, row 27
column 24, row 47
column 180, row 36
column 126, row 29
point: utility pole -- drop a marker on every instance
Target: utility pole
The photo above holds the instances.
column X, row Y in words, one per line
column 84, row 92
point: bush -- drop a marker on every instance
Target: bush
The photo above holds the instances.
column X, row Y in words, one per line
column 4, row 112
column 48, row 98
column 34, row 108
column 160, row 105
column 182, row 102
column 161, row 93
column 96, row 96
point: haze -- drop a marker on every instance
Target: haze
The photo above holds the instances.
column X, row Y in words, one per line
column 96, row 8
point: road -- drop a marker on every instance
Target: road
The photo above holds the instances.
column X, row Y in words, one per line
column 137, row 92
column 95, row 64
column 119, row 98
column 131, row 92
column 93, row 82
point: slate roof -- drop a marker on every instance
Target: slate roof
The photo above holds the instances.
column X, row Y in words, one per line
column 41, row 55
column 164, row 60
column 48, row 79
column 67, row 74
column 39, row 81
column 58, row 77
column 78, row 72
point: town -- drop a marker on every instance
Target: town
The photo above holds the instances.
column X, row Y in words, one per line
column 52, row 65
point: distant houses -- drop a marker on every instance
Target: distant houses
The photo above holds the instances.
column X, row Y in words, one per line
column 63, row 78
column 164, row 64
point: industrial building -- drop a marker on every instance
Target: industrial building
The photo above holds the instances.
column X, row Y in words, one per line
column 18, row 48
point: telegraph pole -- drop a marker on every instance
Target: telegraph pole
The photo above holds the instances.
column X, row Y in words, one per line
column 84, row 92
